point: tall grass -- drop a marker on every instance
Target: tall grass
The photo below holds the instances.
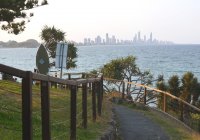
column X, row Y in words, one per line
column 10, row 114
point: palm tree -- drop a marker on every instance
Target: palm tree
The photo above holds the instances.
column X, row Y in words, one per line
column 50, row 36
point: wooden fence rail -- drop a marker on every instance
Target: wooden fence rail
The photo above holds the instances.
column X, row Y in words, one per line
column 27, row 81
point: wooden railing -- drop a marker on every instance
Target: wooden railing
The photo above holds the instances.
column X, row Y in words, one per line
column 175, row 106
column 27, row 82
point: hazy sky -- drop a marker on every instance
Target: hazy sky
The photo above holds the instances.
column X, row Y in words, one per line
column 172, row 20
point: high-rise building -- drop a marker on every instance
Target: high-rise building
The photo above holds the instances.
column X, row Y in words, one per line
column 113, row 41
column 139, row 38
column 145, row 38
column 135, row 38
column 89, row 41
column 107, row 39
column 98, row 40
column 85, row 41
column 151, row 37
column 104, row 41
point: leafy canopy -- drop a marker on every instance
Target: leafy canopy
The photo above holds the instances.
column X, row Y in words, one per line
column 52, row 35
column 121, row 68
column 13, row 15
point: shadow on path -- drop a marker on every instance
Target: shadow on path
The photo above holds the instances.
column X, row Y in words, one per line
column 134, row 125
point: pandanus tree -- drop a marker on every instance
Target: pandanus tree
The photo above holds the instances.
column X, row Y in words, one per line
column 190, row 86
column 175, row 89
column 51, row 36
column 125, row 69
column 188, row 89
column 14, row 15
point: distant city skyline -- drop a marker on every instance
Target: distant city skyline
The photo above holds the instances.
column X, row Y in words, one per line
column 113, row 40
column 174, row 20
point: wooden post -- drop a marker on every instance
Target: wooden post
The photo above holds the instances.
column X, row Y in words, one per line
column 164, row 102
column 27, row 107
column 98, row 97
column 198, row 125
column 73, row 112
column 101, row 91
column 181, row 114
column 56, row 85
column 123, row 90
column 90, row 86
column 145, row 96
column 83, row 75
column 94, row 101
column 69, row 76
column 46, row 135
column 84, row 105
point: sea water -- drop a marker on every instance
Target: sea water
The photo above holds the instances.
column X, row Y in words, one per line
column 160, row 60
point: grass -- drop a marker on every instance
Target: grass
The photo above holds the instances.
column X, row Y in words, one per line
column 174, row 130
column 10, row 114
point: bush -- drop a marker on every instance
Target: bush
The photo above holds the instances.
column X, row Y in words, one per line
column 7, row 77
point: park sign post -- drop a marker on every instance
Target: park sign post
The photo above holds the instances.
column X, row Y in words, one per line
column 42, row 60
column 61, row 56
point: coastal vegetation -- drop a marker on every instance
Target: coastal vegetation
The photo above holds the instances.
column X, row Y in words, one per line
column 125, row 69
column 187, row 88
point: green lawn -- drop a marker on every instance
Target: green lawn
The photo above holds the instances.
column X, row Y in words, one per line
column 10, row 114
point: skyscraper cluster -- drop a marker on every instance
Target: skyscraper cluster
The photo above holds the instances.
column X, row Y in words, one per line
column 101, row 41
column 137, row 40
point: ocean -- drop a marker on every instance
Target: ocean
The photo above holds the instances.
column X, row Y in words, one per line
column 165, row 60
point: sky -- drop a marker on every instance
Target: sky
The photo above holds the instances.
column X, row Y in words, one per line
column 171, row 20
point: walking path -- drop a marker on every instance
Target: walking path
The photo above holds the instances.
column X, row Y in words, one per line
column 133, row 125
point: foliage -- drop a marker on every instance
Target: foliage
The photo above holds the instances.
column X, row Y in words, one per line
column 52, row 35
column 175, row 89
column 13, row 14
column 187, row 88
column 174, row 85
column 121, row 68
column 71, row 56
column 161, row 85
column 125, row 69
column 7, row 77
column 195, row 116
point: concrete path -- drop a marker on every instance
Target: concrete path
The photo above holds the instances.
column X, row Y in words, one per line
column 133, row 125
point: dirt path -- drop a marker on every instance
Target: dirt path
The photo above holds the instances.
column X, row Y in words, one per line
column 133, row 125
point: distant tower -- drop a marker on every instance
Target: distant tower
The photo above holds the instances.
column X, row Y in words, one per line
column 104, row 41
column 139, row 38
column 89, row 41
column 98, row 40
column 145, row 38
column 107, row 38
column 85, row 41
column 151, row 37
column 113, row 40
column 135, row 39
